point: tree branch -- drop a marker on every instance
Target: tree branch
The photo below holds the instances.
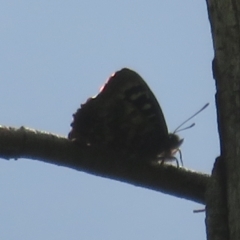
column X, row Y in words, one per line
column 46, row 147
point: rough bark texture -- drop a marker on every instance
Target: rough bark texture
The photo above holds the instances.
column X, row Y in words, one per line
column 224, row 18
column 216, row 219
column 27, row 143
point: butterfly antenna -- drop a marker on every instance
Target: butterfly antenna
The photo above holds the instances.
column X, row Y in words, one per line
column 190, row 126
column 177, row 129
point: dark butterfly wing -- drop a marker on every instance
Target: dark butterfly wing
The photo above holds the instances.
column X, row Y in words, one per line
column 124, row 117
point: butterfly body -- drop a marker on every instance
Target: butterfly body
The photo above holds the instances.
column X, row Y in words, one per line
column 125, row 118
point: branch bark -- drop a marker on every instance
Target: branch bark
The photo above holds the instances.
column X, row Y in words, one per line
column 49, row 148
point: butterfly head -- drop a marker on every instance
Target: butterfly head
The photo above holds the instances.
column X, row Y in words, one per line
column 174, row 142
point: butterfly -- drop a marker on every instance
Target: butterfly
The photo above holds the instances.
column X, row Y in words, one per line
column 126, row 119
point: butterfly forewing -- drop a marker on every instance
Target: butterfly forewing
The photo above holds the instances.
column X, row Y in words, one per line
column 124, row 117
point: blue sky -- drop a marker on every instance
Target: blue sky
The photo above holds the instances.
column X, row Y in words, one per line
column 56, row 54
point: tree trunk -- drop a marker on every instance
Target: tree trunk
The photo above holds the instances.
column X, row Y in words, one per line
column 223, row 194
